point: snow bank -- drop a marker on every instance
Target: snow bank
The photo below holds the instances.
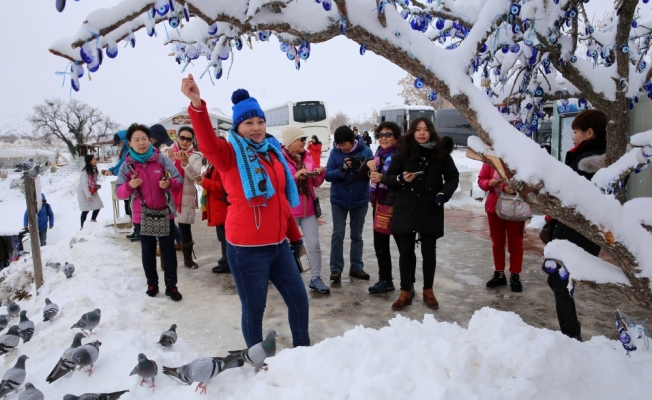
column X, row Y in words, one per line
column 582, row 265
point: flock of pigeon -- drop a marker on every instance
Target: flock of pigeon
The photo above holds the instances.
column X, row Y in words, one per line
column 200, row 370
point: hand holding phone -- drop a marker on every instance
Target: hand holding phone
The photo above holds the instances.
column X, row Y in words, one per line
column 312, row 174
column 418, row 173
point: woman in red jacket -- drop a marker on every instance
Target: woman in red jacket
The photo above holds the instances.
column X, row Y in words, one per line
column 214, row 209
column 261, row 194
column 489, row 181
column 314, row 148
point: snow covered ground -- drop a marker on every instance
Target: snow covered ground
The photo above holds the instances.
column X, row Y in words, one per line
column 498, row 356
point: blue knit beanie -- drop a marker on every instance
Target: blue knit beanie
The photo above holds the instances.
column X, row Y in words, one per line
column 244, row 107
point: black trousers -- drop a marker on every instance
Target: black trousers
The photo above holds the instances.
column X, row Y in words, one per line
column 408, row 259
column 84, row 214
column 128, row 207
column 168, row 257
column 566, row 312
column 383, row 255
column 186, row 233
column 221, row 237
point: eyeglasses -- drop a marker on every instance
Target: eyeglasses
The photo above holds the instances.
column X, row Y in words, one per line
column 386, row 135
column 303, row 139
column 184, row 139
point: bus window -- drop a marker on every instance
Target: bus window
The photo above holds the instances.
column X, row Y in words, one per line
column 309, row 112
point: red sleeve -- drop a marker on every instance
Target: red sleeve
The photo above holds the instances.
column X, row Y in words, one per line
column 293, row 233
column 486, row 172
column 211, row 185
column 217, row 151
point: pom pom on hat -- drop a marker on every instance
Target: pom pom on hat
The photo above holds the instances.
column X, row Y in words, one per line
column 292, row 133
column 239, row 95
column 244, row 107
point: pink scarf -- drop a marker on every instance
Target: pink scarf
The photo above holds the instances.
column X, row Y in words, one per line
column 92, row 187
column 178, row 195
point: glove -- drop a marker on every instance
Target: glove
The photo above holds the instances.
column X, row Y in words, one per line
column 440, row 199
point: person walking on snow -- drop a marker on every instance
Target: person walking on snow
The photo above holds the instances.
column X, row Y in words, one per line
column 44, row 216
column 87, row 196
column 314, row 148
column 261, row 194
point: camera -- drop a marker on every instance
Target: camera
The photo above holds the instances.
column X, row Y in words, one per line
column 356, row 162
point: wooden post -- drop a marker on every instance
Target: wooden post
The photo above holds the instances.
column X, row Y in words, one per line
column 30, row 197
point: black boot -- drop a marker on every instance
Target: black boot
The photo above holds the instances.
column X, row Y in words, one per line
column 515, row 283
column 222, row 269
column 381, row 287
column 499, row 279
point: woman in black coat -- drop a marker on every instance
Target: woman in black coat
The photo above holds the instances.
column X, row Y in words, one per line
column 425, row 177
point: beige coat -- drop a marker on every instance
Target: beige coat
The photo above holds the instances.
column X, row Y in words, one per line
column 189, row 201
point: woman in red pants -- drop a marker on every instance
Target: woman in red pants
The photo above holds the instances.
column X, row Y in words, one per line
column 489, row 181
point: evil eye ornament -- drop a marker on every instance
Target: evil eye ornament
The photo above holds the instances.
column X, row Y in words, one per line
column 192, row 52
column 634, row 24
column 74, row 82
column 77, row 70
column 238, row 44
column 624, row 48
column 86, row 53
column 284, row 47
column 132, row 39
column 642, row 65
column 505, row 49
column 297, row 64
column 563, row 273
column 571, row 13
column 363, row 49
column 573, row 59
column 515, row 9
column 432, row 96
column 405, row 13
column 516, row 29
column 263, row 36
column 327, row 6
column 163, row 9
column 591, row 53
column 483, row 48
column 218, row 72
column 186, row 13
column 173, row 21
column 418, row 83
column 623, row 336
column 589, row 30
column 538, row 92
column 151, row 31
column 212, row 29
column 439, row 24
column 223, row 53
column 61, row 5
column 515, row 48
column 291, row 53
column 304, row 53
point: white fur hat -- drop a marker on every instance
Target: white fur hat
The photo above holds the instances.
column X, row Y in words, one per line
column 292, row 133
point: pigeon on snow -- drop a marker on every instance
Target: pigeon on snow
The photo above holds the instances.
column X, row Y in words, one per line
column 86, row 355
column 25, row 165
column 65, row 363
column 13, row 377
column 88, row 321
column 13, row 309
column 169, row 337
column 54, row 265
column 50, row 311
column 256, row 354
column 31, row 393
column 68, row 270
column 96, row 396
column 10, row 340
column 26, row 327
column 146, row 369
column 204, row 369
column 4, row 321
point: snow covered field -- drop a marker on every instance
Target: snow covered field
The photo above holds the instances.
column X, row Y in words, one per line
column 498, row 356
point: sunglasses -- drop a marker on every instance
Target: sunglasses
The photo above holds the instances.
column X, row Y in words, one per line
column 184, row 139
column 385, row 135
column 303, row 139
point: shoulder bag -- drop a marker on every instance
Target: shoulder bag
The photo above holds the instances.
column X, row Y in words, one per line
column 153, row 222
column 512, row 207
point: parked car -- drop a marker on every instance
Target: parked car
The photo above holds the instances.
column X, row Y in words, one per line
column 450, row 122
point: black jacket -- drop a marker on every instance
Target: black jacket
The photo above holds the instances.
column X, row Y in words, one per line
column 415, row 209
column 586, row 160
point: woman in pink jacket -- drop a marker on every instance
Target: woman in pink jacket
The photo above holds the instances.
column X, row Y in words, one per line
column 144, row 177
column 307, row 177
column 489, row 181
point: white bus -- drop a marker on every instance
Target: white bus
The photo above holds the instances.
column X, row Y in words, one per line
column 311, row 116
column 405, row 114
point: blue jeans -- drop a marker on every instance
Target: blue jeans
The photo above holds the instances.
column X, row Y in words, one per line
column 358, row 215
column 253, row 268
column 43, row 236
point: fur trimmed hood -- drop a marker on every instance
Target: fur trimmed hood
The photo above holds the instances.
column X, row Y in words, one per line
column 448, row 144
column 593, row 163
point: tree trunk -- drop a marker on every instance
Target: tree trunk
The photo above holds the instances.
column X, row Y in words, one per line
column 617, row 131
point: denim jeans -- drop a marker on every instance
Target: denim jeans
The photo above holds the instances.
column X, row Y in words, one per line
column 357, row 215
column 252, row 269
column 168, row 257
column 43, row 236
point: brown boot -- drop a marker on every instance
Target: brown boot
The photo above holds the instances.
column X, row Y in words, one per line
column 429, row 299
column 405, row 299
column 187, row 256
column 178, row 247
column 158, row 252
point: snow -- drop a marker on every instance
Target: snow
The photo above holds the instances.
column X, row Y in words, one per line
column 582, row 265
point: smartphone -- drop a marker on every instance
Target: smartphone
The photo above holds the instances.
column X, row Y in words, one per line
column 199, row 178
column 312, row 174
column 418, row 173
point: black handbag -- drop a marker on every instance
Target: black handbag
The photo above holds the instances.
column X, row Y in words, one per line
column 153, row 222
column 315, row 202
column 546, row 232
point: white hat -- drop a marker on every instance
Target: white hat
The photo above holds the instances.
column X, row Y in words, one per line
column 292, row 133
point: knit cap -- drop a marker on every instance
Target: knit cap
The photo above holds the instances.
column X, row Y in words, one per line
column 244, row 107
column 292, row 133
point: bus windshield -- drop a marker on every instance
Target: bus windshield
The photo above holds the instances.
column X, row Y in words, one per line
column 414, row 114
column 309, row 111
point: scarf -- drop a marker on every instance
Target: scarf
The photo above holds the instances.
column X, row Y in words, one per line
column 92, row 187
column 178, row 195
column 142, row 158
column 428, row 146
column 255, row 181
column 383, row 157
column 297, row 161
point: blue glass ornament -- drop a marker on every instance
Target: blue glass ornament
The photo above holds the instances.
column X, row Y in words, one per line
column 573, row 59
column 555, row 1
column 563, row 273
column 505, row 49
column 132, row 40
column 162, row 10
column 171, row 2
column 528, row 42
column 591, row 53
column 624, row 48
column 483, row 48
column 77, row 70
column 642, row 65
column 100, row 56
column 86, row 53
column 186, row 13
column 439, row 24
column 61, row 5
column 218, row 72
column 515, row 9
column 405, row 13
column 291, row 53
column 546, row 62
column 623, row 336
column 564, row 102
column 631, row 106
column 516, row 29
column 497, row 71
column 173, row 21
column 636, row 99
column 553, row 39
column 327, row 6
column 432, row 96
column 212, row 29
column 263, row 36
column 297, row 64
column 238, row 43
column 634, row 24
column 317, row 1
column 343, row 26
column 192, row 52
column 515, row 48
column 75, row 84
column 418, row 83
column 363, row 49
column 550, row 266
column 646, row 1
column 589, row 30
column 112, row 50
column 284, row 46
column 538, row 92
column 571, row 13
column 94, row 66
column 304, row 53
column 151, row 31
column 223, row 53
column 529, row 106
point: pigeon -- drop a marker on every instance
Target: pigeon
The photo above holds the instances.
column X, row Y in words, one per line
column 65, row 363
column 68, row 270
column 86, row 355
column 50, row 311
column 204, row 369
column 256, row 354
column 26, row 327
column 32, row 172
column 25, row 165
column 145, row 369
column 4, row 321
column 88, row 321
column 54, row 265
column 168, row 338
column 13, row 377
column 10, row 340
column 96, row 396
column 13, row 309
column 31, row 393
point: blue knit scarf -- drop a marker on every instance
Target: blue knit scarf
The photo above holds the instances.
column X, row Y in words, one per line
column 255, row 182
column 142, row 158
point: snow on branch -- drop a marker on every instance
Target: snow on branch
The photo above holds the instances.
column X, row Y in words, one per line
column 633, row 161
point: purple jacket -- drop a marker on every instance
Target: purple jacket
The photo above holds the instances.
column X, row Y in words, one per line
column 151, row 173
column 307, row 206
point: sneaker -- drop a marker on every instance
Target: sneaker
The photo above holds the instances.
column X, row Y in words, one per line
column 318, row 285
column 222, row 269
column 152, row 290
column 360, row 275
column 515, row 283
column 132, row 235
column 336, row 276
column 173, row 292
column 498, row 280
column 381, row 287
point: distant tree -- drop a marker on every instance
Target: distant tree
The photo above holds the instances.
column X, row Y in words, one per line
column 73, row 122
column 415, row 97
column 339, row 119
